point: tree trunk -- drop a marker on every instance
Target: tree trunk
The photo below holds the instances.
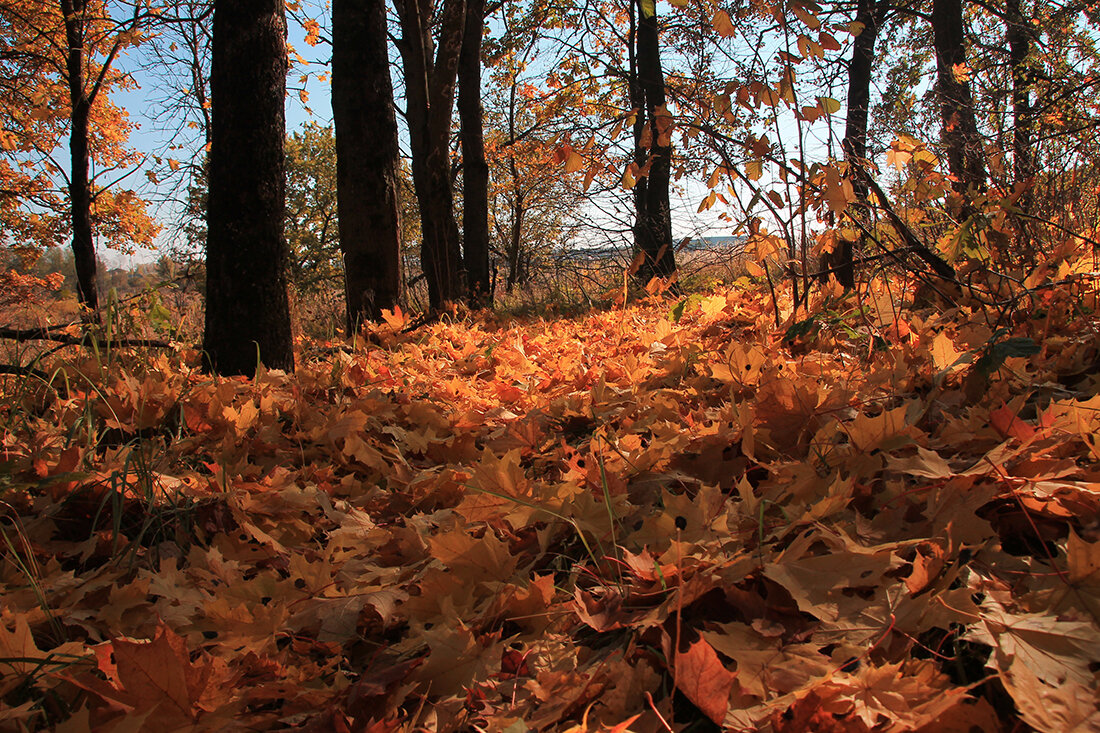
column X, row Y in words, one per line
column 247, row 314
column 475, row 169
column 1019, row 50
column 517, row 202
column 855, row 129
column 965, row 159
column 80, row 190
column 653, row 152
column 429, row 90
column 515, row 240
column 367, row 161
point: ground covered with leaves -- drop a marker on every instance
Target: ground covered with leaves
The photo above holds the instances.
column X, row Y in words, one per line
column 673, row 516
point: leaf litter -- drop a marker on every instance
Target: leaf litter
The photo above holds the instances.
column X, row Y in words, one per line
column 632, row 520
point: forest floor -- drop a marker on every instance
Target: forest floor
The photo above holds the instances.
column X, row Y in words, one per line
column 673, row 516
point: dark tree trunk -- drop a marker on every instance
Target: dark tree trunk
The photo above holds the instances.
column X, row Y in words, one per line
column 1019, row 51
column 869, row 13
column 517, row 203
column 652, row 153
column 965, row 159
column 429, row 90
column 80, row 190
column 475, row 169
column 247, row 314
column 515, row 240
column 367, row 161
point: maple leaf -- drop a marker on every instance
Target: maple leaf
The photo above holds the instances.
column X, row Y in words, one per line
column 944, row 353
column 457, row 658
column 1070, row 706
column 765, row 666
column 21, row 659
column 158, row 675
column 1055, row 651
column 702, row 677
column 395, row 319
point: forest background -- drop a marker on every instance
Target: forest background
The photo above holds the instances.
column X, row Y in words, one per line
column 445, row 417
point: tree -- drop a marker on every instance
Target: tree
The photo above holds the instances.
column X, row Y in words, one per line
column 312, row 225
column 652, row 146
column 530, row 200
column 57, row 67
column 1018, row 37
column 475, row 167
column 367, row 161
column 178, row 59
column 247, row 311
column 430, row 79
column 868, row 16
column 965, row 159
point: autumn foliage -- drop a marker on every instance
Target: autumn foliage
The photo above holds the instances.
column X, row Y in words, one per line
column 666, row 516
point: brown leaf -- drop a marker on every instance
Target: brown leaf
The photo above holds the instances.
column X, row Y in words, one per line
column 159, row 672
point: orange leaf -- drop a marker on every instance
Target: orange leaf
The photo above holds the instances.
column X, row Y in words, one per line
column 722, row 24
column 705, row 681
column 1006, row 422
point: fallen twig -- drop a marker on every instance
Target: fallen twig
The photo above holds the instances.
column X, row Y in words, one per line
column 45, row 334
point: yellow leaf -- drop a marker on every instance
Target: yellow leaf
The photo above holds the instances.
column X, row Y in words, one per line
column 898, row 158
column 944, row 353
column 713, row 306
column 754, row 269
column 838, row 191
column 961, row 72
column 629, row 178
column 590, row 176
column 869, row 432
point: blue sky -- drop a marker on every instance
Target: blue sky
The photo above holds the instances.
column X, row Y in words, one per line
column 151, row 140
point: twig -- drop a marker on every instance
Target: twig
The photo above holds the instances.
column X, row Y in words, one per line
column 24, row 371
column 917, row 247
column 44, row 334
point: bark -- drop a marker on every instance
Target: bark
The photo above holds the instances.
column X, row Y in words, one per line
column 517, row 204
column 430, row 79
column 80, row 191
column 515, row 241
column 367, row 161
column 653, row 152
column 869, row 13
column 247, row 312
column 475, row 168
column 1019, row 51
column 965, row 158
